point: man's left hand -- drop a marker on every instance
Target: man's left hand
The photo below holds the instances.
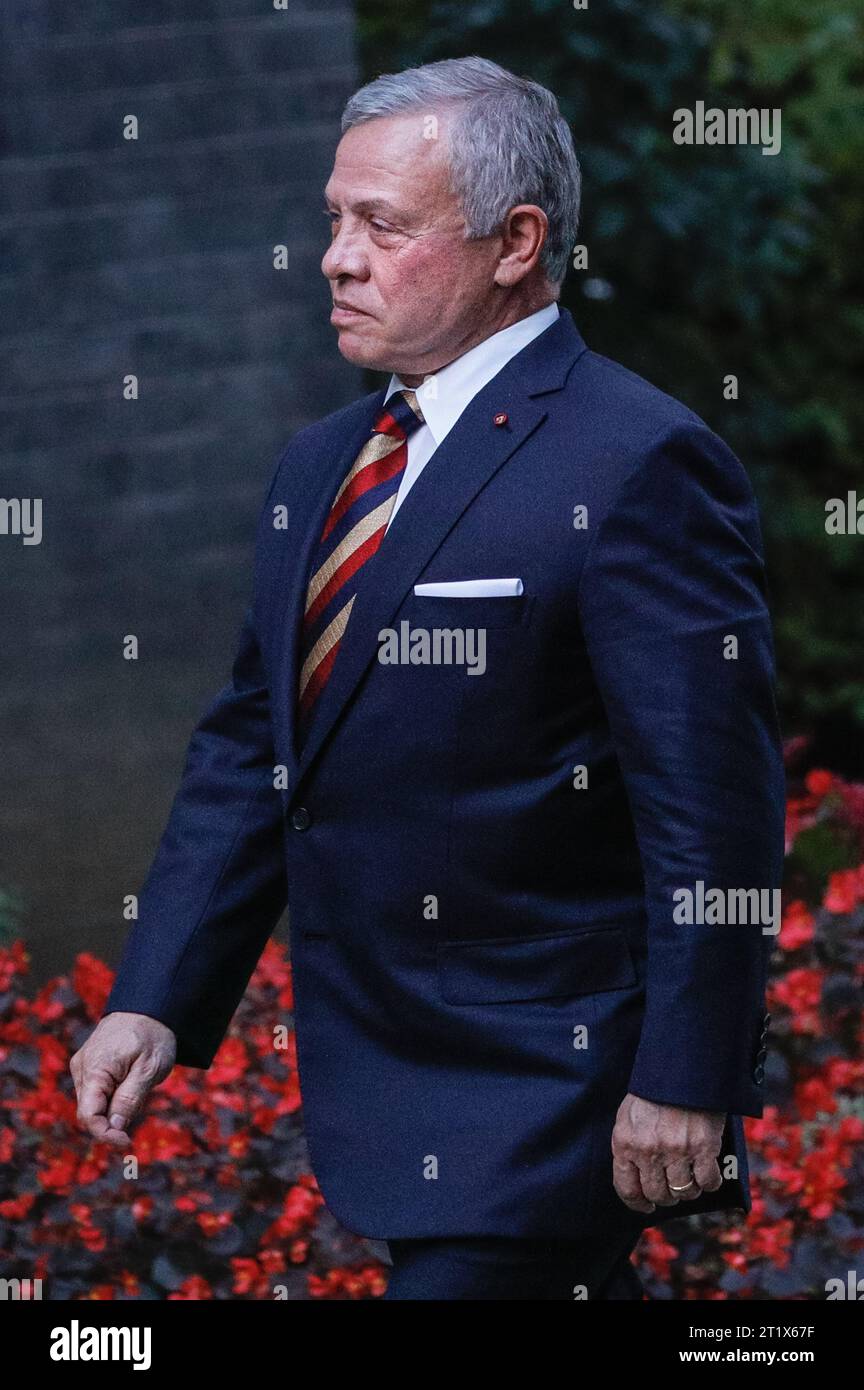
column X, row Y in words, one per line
column 656, row 1148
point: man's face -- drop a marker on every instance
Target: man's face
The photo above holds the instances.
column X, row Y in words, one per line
column 418, row 291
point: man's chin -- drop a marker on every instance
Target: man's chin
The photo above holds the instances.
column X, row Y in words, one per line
column 355, row 349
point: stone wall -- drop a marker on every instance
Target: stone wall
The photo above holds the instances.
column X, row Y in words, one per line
column 151, row 257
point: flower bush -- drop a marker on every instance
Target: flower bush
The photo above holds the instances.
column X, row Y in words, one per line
column 217, row 1199
column 222, row 1204
column 806, row 1166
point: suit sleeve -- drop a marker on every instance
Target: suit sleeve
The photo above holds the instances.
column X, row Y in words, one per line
column 216, row 887
column 675, row 621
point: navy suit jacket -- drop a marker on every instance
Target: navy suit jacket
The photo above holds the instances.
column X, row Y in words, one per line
column 485, row 952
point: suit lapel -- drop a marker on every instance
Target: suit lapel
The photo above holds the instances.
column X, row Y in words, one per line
column 470, row 455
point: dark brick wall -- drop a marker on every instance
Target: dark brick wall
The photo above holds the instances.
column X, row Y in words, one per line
column 151, row 257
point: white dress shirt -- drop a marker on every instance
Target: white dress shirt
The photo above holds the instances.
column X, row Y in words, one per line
column 442, row 396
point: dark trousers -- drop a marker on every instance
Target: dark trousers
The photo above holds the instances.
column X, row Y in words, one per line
column 501, row 1267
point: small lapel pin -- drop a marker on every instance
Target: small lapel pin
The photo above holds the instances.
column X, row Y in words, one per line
column 500, row 418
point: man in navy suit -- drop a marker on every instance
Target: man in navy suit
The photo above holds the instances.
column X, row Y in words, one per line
column 501, row 731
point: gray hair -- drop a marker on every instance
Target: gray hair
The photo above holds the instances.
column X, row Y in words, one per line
column 509, row 145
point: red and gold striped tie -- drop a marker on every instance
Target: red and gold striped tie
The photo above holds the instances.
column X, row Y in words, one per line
column 352, row 533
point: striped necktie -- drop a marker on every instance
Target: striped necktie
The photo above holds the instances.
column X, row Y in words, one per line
column 352, row 533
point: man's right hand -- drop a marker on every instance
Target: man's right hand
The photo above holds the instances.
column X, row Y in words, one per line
column 125, row 1056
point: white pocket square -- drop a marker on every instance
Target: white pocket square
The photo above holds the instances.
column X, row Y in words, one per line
column 470, row 588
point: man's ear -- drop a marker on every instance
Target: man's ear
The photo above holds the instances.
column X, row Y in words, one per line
column 523, row 236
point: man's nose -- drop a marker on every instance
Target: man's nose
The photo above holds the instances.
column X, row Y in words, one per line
column 344, row 256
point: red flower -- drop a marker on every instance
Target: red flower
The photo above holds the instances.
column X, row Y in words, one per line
column 850, row 1130
column 92, row 1237
column 17, row 1208
column 194, row 1288
column 819, row 782
column 212, row 1222
column 238, row 1144
column 17, row 1031
column 274, row 970
column 273, row 1261
column 45, row 1007
column 46, row 1106
column 814, row 1097
column 264, row 1118
column 53, row 1056
column 797, row 927
column 94, row 1166
column 59, row 1172
column 657, row 1252
column 800, row 991
column 843, row 1074
column 299, row 1210
column 7, row 1144
column 230, row 1064
column 142, row 1207
column 822, row 1184
column 367, row 1281
column 92, row 980
column 787, row 1176
column 14, row 960
column 247, row 1275
column 845, row 890
column 736, row 1260
column 157, row 1142
column 772, row 1241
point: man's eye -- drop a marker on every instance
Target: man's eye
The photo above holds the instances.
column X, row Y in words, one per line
column 380, row 227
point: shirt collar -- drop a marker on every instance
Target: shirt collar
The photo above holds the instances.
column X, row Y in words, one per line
column 442, row 396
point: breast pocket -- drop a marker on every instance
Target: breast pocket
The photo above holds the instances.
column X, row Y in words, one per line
column 433, row 610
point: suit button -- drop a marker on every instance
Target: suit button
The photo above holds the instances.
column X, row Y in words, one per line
column 300, row 818
column 759, row 1074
